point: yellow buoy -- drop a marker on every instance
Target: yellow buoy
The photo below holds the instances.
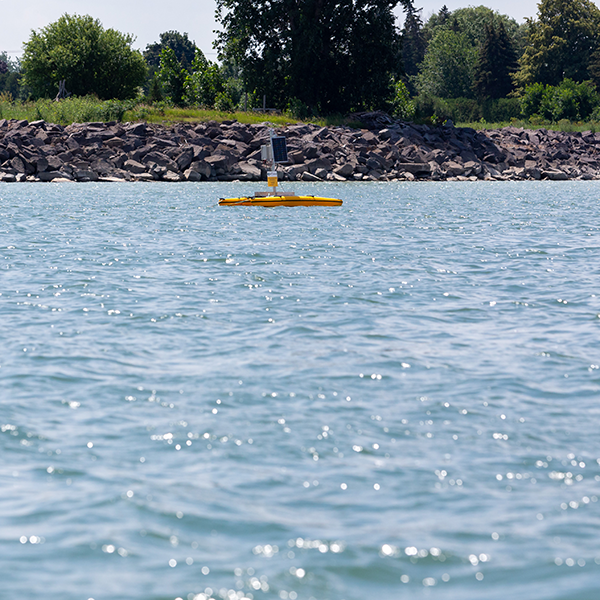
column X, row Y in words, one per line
column 280, row 199
column 276, row 152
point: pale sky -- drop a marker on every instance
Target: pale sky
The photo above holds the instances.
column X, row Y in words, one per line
column 147, row 20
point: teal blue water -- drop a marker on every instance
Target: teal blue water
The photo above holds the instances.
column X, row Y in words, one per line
column 396, row 398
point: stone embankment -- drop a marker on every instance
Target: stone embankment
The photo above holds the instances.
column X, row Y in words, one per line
column 385, row 150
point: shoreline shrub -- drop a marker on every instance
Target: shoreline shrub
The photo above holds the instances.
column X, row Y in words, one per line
column 569, row 100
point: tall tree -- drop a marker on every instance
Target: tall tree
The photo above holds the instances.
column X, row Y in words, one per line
column 444, row 14
column 436, row 20
column 205, row 82
column 330, row 55
column 172, row 75
column 560, row 42
column 471, row 21
column 448, row 67
column 496, row 62
column 182, row 46
column 456, row 40
column 91, row 59
column 413, row 40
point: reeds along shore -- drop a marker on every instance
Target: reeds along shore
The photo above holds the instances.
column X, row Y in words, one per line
column 384, row 150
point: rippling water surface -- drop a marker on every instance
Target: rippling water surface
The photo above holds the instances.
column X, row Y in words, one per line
column 398, row 398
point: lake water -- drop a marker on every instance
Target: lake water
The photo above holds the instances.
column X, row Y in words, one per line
column 397, row 398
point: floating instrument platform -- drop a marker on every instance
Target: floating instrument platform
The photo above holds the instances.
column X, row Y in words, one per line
column 279, row 199
column 276, row 152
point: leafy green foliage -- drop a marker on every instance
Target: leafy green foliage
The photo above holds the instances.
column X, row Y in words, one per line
column 205, row 83
column 172, row 76
column 91, row 59
column 501, row 110
column 466, row 110
column 439, row 19
column 224, row 102
column 472, row 22
column 331, row 56
column 298, row 109
column 402, row 106
column 466, row 45
column 182, row 46
column 531, row 100
column 71, row 110
column 448, row 67
column 432, row 109
column 560, row 42
column 569, row 100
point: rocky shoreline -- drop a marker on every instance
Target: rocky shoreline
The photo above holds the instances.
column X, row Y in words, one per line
column 385, row 150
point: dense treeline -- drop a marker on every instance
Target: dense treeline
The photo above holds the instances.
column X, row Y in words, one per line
column 325, row 56
column 474, row 63
column 321, row 56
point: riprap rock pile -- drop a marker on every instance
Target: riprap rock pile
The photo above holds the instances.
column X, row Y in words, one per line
column 385, row 150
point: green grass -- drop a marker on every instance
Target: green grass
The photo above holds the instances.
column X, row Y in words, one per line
column 169, row 115
column 65, row 112
column 563, row 125
column 90, row 109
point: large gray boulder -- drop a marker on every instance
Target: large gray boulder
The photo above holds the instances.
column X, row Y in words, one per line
column 134, row 167
column 201, row 167
column 344, row 170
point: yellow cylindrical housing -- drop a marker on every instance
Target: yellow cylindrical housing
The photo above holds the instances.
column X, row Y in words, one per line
column 272, row 178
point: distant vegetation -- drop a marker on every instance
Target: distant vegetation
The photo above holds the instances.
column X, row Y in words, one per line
column 474, row 64
column 319, row 60
column 89, row 58
column 91, row 109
